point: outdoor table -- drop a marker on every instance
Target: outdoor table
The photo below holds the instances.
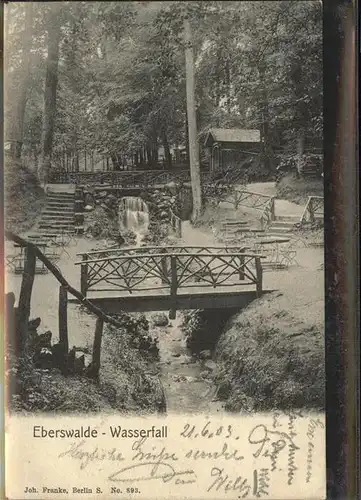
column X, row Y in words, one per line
column 20, row 259
column 277, row 255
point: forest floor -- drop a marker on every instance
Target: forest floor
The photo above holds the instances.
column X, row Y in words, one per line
column 24, row 197
column 297, row 190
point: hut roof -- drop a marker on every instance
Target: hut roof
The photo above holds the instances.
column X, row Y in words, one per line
column 232, row 135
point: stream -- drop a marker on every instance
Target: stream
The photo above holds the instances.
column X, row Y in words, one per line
column 181, row 375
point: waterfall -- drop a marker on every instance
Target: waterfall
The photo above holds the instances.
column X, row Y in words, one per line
column 134, row 216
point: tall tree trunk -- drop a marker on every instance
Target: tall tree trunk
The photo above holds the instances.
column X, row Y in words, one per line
column 20, row 105
column 192, row 125
column 187, row 140
column 167, row 153
column 51, row 82
column 268, row 152
column 155, row 154
column 149, row 156
column 300, row 115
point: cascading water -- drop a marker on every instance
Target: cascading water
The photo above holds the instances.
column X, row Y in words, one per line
column 134, row 216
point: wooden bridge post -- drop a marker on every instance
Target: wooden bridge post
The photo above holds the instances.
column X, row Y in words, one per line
column 273, row 212
column 173, row 287
column 311, row 209
column 241, row 267
column 97, row 344
column 259, row 276
column 10, row 319
column 164, row 266
column 84, row 275
column 23, row 312
column 63, row 318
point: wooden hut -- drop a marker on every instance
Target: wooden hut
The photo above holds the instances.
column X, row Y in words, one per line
column 230, row 147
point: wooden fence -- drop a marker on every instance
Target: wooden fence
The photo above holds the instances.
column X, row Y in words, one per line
column 237, row 196
column 140, row 178
column 314, row 209
column 172, row 271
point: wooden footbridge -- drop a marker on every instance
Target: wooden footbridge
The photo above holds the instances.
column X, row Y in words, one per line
column 170, row 278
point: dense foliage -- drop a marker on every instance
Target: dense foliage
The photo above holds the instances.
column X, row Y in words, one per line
column 114, row 77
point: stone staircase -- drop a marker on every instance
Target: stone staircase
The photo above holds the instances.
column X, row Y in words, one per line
column 231, row 230
column 283, row 225
column 58, row 214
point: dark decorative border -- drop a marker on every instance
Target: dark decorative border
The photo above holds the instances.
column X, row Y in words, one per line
column 341, row 247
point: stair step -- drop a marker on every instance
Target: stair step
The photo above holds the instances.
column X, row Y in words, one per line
column 250, row 230
column 65, row 211
column 293, row 218
column 280, row 229
column 278, row 235
column 60, row 195
column 60, row 200
column 53, row 204
column 284, row 224
column 234, row 229
column 55, row 225
column 59, row 218
column 234, row 223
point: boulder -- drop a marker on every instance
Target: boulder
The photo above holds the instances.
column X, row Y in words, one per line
column 159, row 319
column 79, row 364
column 88, row 199
column 59, row 356
column 210, row 364
column 223, row 391
column 43, row 359
column 206, row 354
column 44, row 340
column 88, row 208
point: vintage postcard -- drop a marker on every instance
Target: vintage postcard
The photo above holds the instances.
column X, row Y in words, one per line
column 164, row 250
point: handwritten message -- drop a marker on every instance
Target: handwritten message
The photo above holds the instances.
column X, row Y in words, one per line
column 265, row 456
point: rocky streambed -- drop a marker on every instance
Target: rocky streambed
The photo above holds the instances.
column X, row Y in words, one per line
column 187, row 379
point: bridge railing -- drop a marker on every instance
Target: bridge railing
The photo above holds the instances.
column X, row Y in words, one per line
column 169, row 249
column 170, row 271
column 314, row 208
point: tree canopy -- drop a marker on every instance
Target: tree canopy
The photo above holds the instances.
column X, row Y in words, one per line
column 120, row 82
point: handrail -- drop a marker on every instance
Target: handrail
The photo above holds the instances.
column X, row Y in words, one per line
column 252, row 192
column 9, row 235
column 140, row 249
column 173, row 254
column 311, row 208
column 268, row 213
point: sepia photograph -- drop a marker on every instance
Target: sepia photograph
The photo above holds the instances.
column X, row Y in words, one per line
column 164, row 217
